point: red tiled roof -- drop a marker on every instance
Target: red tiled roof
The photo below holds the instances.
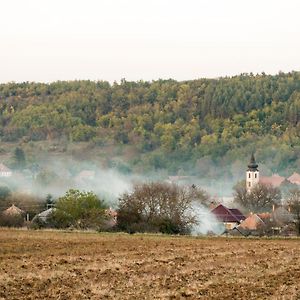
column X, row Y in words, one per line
column 295, row 178
column 225, row 214
column 274, row 180
column 264, row 216
column 252, row 222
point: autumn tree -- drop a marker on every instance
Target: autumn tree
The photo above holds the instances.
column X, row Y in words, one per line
column 159, row 207
column 261, row 197
column 293, row 202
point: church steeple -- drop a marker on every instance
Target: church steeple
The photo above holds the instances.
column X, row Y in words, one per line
column 252, row 174
column 252, row 166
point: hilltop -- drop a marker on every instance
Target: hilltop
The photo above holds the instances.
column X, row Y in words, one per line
column 205, row 127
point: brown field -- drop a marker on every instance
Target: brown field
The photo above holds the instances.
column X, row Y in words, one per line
column 62, row 265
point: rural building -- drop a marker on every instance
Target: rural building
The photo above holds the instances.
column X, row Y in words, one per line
column 230, row 217
column 44, row 215
column 252, row 223
column 253, row 177
column 275, row 180
column 277, row 221
column 13, row 211
column 5, row 171
column 294, row 178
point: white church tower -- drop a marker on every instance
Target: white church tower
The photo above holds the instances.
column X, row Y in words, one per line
column 252, row 174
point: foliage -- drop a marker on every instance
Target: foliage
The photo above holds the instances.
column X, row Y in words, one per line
column 159, row 207
column 260, row 198
column 5, row 192
column 19, row 158
column 221, row 119
column 11, row 220
column 80, row 210
column 293, row 203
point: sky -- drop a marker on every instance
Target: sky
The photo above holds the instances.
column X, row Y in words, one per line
column 49, row 40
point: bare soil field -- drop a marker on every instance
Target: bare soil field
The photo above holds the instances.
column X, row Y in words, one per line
column 72, row 265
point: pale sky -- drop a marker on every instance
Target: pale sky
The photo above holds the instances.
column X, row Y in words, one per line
column 48, row 40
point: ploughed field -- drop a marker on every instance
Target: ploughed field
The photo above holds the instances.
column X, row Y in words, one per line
column 72, row 265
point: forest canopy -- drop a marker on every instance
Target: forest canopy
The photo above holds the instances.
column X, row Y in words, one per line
column 170, row 123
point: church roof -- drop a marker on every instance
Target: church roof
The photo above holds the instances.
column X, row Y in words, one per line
column 252, row 166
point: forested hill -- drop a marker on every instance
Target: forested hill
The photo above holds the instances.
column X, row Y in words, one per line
column 172, row 125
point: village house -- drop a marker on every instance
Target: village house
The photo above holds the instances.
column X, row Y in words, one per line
column 294, row 178
column 277, row 221
column 13, row 211
column 230, row 217
column 5, row 171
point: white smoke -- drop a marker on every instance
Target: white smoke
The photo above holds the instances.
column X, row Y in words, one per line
column 206, row 222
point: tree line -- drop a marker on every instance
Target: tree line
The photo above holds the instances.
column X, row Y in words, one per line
column 168, row 122
column 155, row 207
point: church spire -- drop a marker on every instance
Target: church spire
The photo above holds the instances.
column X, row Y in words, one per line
column 252, row 166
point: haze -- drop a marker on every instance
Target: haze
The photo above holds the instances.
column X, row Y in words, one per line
column 138, row 39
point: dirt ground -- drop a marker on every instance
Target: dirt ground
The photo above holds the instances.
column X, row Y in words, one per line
column 64, row 265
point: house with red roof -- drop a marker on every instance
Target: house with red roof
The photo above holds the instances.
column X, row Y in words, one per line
column 253, row 222
column 275, row 180
column 230, row 217
column 294, row 178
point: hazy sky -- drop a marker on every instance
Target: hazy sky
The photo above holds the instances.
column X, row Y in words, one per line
column 47, row 40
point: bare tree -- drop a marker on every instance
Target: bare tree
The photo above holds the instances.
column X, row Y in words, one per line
column 159, row 207
column 261, row 197
column 293, row 202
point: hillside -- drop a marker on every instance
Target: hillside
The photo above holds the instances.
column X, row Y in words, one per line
column 205, row 127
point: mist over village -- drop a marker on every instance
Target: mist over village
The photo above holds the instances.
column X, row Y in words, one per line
column 257, row 205
column 150, row 149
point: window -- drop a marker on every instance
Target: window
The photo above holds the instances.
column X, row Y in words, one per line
column 255, row 175
column 249, row 184
column 249, row 175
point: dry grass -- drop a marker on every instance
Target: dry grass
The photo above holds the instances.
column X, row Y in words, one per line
column 61, row 265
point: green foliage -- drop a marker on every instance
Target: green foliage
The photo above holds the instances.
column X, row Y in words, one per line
column 19, row 158
column 5, row 192
column 79, row 209
column 164, row 119
column 82, row 133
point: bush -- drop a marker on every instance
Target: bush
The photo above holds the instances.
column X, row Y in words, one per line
column 11, row 220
